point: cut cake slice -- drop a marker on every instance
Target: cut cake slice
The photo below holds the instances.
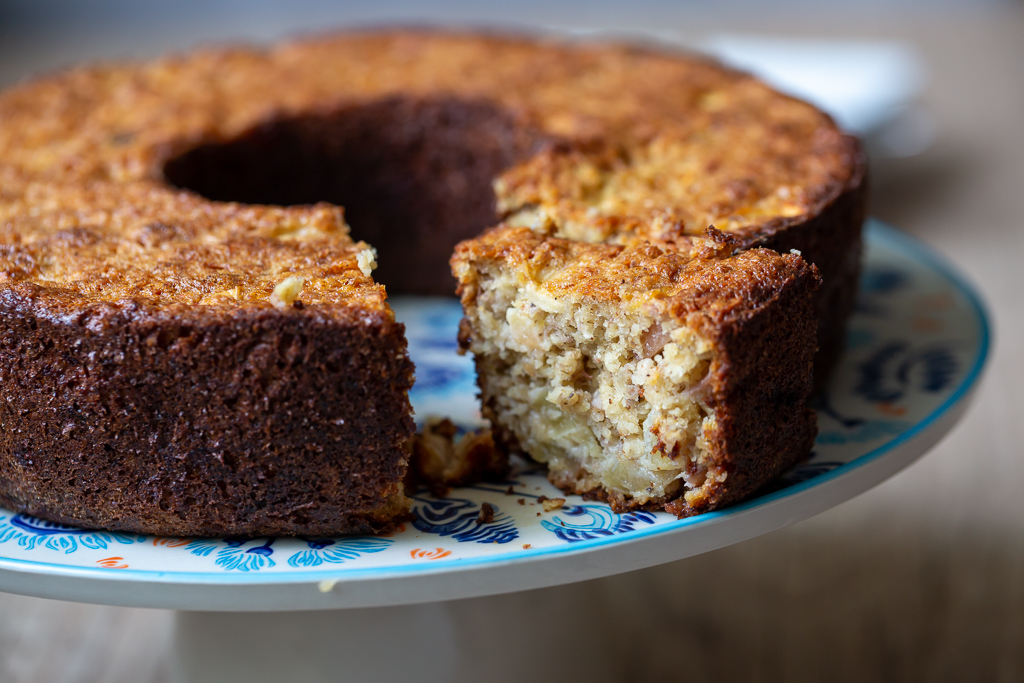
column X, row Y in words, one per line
column 639, row 375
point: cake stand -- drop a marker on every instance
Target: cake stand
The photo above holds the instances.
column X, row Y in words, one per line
column 450, row 597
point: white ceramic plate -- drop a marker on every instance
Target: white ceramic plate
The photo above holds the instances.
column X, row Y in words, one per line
column 916, row 348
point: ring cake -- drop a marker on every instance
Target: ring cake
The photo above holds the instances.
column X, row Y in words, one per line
column 191, row 342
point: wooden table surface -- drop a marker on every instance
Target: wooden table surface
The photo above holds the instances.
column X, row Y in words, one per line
column 921, row 579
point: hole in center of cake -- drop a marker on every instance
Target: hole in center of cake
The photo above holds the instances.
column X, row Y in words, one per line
column 413, row 174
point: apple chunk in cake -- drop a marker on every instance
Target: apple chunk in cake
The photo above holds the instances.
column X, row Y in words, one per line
column 641, row 376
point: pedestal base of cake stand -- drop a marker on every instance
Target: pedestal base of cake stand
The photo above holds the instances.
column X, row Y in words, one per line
column 551, row 634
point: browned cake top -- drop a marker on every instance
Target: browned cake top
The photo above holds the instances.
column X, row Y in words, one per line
column 638, row 143
column 644, row 277
column 102, row 242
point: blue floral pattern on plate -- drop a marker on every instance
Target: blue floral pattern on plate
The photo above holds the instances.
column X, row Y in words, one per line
column 336, row 550
column 912, row 342
column 31, row 532
column 459, row 518
column 595, row 521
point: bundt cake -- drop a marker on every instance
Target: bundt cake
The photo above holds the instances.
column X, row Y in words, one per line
column 191, row 343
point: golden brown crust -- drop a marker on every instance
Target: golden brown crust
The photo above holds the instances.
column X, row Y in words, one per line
column 642, row 275
column 605, row 143
column 104, row 242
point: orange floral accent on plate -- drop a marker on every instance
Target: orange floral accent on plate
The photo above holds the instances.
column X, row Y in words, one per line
column 890, row 409
column 112, row 563
column 435, row 554
column 171, row 542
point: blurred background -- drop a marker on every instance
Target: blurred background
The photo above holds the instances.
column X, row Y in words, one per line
column 921, row 579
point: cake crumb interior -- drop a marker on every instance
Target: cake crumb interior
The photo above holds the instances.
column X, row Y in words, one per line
column 608, row 397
